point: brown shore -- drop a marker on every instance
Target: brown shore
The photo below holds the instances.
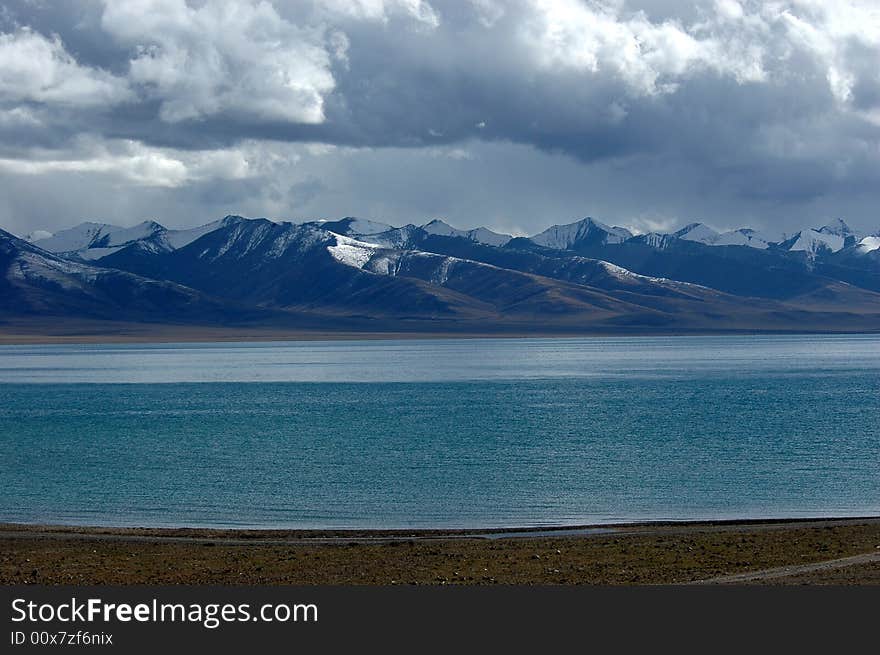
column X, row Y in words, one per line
column 32, row 332
column 91, row 332
column 815, row 551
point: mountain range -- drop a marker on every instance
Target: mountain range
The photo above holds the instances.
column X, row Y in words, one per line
column 357, row 274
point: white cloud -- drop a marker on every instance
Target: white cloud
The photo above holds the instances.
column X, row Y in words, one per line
column 489, row 12
column 829, row 31
column 137, row 163
column 745, row 41
column 34, row 68
column 238, row 58
column 19, row 117
column 381, row 10
column 648, row 223
column 729, row 9
column 731, row 107
column 649, row 57
column 319, row 149
column 447, row 152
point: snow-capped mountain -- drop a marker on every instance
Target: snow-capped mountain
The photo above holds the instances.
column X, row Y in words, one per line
column 95, row 240
column 479, row 234
column 577, row 274
column 832, row 238
column 390, row 261
column 404, row 237
column 532, row 285
column 351, row 226
column 697, row 232
column 812, row 242
column 179, row 238
column 35, row 282
column 869, row 244
column 744, row 237
column 587, row 231
column 701, row 233
column 92, row 241
column 839, row 228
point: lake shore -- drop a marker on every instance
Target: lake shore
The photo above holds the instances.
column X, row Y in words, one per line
column 111, row 332
column 789, row 551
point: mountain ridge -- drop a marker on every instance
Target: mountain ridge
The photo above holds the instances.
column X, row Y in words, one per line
column 582, row 276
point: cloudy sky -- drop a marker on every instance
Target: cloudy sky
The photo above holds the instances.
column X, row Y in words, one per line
column 513, row 114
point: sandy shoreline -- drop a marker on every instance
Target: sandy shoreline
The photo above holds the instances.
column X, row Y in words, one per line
column 97, row 332
column 257, row 535
column 784, row 551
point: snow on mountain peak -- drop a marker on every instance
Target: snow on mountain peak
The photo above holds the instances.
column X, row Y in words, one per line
column 812, row 241
column 699, row 232
column 563, row 237
column 488, row 237
column 74, row 238
column 837, row 227
column 743, row 237
column 869, row 244
column 92, row 241
column 180, row 238
column 479, row 235
column 442, row 228
column 364, row 226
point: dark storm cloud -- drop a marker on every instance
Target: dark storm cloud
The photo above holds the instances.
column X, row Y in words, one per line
column 648, row 112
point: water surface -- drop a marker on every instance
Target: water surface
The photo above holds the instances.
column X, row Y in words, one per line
column 440, row 433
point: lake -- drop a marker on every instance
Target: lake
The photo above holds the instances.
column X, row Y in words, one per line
column 440, row 433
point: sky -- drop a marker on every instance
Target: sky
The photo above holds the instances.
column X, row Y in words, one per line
column 513, row 114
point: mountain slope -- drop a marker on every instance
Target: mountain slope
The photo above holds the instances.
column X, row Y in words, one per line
column 453, row 278
column 305, row 267
column 36, row 282
column 590, row 277
column 284, row 265
column 506, row 291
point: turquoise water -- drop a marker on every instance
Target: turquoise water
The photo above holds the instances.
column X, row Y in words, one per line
column 452, row 433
